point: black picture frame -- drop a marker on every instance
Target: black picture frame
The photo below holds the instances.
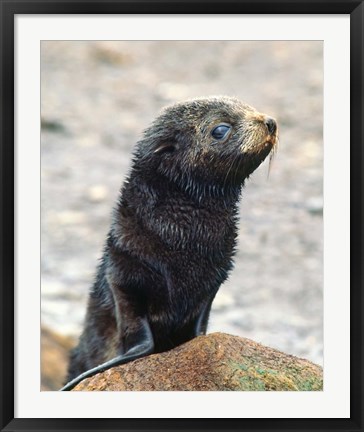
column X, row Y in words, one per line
column 8, row 10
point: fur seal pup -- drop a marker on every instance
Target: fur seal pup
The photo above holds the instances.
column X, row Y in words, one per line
column 173, row 233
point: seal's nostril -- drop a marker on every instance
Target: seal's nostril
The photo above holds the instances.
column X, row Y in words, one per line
column 271, row 125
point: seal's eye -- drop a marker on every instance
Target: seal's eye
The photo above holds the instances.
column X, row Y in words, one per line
column 220, row 132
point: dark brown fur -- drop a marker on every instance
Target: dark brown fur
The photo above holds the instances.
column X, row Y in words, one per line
column 173, row 235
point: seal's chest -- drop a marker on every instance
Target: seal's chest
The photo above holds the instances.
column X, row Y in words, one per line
column 195, row 229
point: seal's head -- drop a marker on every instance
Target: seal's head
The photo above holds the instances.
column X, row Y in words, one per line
column 217, row 141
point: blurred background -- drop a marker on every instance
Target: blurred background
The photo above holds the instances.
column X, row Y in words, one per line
column 98, row 96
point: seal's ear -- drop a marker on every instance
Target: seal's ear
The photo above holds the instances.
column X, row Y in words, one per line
column 165, row 147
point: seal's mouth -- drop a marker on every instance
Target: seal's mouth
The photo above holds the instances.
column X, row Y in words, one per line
column 257, row 153
column 271, row 140
column 261, row 136
column 267, row 146
column 273, row 144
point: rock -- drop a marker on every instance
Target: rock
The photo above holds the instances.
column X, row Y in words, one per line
column 71, row 217
column 315, row 205
column 97, row 193
column 215, row 362
column 52, row 125
column 109, row 52
column 54, row 359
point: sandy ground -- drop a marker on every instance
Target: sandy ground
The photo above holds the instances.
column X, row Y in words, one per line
column 97, row 97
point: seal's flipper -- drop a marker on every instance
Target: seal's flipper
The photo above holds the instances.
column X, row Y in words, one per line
column 201, row 322
column 139, row 343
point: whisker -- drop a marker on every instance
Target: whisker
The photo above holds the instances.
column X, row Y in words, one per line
column 272, row 156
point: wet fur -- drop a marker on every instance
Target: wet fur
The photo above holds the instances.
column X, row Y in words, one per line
column 174, row 229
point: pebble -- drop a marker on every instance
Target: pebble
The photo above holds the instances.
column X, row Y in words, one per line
column 70, row 217
column 173, row 91
column 315, row 205
column 97, row 193
column 223, row 300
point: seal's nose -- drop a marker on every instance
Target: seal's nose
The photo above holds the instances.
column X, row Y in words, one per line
column 271, row 125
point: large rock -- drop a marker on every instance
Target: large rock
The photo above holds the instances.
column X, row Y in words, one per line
column 214, row 362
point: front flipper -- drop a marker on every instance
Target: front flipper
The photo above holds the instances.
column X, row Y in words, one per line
column 201, row 322
column 138, row 343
